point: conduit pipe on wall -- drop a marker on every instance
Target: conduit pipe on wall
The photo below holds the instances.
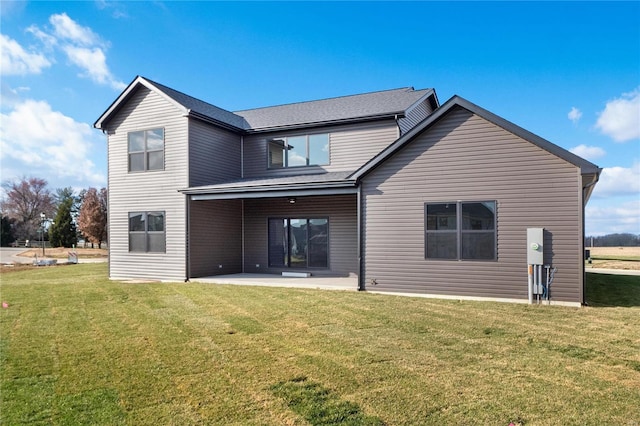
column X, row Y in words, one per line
column 539, row 282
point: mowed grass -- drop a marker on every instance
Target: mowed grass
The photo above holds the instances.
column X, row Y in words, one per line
column 76, row 348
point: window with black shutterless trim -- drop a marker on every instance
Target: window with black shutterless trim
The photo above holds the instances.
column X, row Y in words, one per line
column 298, row 242
column 146, row 150
column 298, row 151
column 147, row 232
column 460, row 230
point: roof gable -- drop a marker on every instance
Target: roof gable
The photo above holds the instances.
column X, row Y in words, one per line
column 188, row 105
column 585, row 166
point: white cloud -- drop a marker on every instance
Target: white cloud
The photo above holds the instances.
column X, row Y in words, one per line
column 117, row 9
column 574, row 115
column 35, row 137
column 94, row 62
column 620, row 118
column 48, row 40
column 588, row 152
column 611, row 219
column 69, row 30
column 618, row 181
column 10, row 96
column 82, row 47
column 15, row 60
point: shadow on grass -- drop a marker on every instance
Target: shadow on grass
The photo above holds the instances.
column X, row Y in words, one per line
column 319, row 406
column 613, row 290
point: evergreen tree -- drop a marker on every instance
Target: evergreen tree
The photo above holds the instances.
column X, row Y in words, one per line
column 6, row 232
column 63, row 231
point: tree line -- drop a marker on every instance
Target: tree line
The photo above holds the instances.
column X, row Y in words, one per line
column 613, row 240
column 31, row 211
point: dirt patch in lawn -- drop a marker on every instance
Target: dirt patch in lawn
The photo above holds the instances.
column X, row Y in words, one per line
column 63, row 253
column 17, row 267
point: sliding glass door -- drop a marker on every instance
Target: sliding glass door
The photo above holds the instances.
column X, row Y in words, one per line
column 299, row 242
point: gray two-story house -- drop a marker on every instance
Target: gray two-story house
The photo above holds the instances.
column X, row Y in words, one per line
column 391, row 187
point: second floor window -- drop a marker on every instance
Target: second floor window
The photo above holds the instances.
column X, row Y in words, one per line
column 146, row 150
column 298, row 151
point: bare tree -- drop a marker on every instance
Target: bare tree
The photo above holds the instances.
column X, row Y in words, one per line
column 92, row 221
column 25, row 200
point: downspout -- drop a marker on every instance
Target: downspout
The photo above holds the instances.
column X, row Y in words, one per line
column 106, row 132
column 241, row 156
column 187, row 239
column 361, row 286
column 242, row 200
column 187, row 210
column 242, row 232
column 583, row 197
column 399, row 133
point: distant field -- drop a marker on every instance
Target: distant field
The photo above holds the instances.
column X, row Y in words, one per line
column 623, row 253
column 615, row 257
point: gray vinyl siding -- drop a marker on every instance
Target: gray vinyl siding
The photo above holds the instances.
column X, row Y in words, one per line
column 464, row 157
column 349, row 146
column 214, row 154
column 343, row 245
column 147, row 191
column 215, row 238
column 414, row 116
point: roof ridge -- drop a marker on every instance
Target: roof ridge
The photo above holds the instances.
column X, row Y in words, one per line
column 406, row 89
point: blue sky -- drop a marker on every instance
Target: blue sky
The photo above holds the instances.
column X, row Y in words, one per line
column 569, row 72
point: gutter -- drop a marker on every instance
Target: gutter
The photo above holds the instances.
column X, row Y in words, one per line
column 193, row 114
column 270, row 188
column 364, row 119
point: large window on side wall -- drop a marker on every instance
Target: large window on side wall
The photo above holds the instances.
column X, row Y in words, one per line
column 298, row 242
column 460, row 230
column 147, row 232
column 146, row 150
column 299, row 151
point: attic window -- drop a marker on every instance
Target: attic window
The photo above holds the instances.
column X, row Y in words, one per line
column 146, row 150
column 299, row 151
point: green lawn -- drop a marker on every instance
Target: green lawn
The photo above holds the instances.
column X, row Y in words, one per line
column 76, row 348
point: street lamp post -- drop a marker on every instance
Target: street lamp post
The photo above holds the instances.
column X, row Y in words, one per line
column 43, row 217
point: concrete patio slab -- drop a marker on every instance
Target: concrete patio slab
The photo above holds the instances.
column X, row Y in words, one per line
column 270, row 280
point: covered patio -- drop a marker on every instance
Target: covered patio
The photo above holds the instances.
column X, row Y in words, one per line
column 264, row 227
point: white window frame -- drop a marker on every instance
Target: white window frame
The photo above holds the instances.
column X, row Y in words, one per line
column 146, row 233
column 146, row 151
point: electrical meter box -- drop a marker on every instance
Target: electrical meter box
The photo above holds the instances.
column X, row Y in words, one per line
column 535, row 252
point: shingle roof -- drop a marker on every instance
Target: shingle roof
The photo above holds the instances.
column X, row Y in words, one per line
column 375, row 104
column 343, row 109
column 201, row 107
